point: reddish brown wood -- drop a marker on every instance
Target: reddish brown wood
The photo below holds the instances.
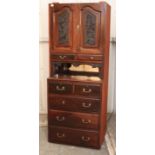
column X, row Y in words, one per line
column 79, row 57
column 105, row 69
column 77, row 102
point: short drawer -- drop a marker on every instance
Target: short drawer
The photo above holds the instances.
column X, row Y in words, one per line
column 73, row 136
column 74, row 104
column 93, row 91
column 62, row 57
column 90, row 57
column 60, row 88
column 73, row 119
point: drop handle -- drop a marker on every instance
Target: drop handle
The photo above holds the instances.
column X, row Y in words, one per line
column 86, row 91
column 60, row 88
column 86, row 105
column 61, row 135
column 86, row 121
column 60, row 119
column 86, row 139
column 62, row 57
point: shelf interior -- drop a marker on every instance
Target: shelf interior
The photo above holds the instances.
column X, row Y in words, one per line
column 76, row 78
column 91, row 72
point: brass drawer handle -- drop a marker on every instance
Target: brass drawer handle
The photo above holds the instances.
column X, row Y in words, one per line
column 60, row 119
column 86, row 139
column 86, row 121
column 62, row 57
column 61, row 135
column 86, row 91
column 86, row 105
column 60, row 88
column 91, row 58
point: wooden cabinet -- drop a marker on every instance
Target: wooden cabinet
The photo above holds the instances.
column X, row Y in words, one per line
column 76, row 28
column 79, row 34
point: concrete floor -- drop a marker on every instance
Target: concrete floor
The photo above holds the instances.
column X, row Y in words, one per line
column 111, row 128
column 108, row 148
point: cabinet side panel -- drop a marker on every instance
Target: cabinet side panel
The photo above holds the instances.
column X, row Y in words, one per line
column 106, row 39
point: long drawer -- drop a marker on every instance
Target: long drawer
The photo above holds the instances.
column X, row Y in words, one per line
column 74, row 119
column 74, row 104
column 73, row 136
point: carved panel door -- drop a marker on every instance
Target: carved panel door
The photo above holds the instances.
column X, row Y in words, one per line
column 90, row 29
column 62, row 33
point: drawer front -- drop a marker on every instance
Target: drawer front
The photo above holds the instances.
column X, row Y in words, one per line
column 88, row 90
column 59, row 88
column 90, row 57
column 62, row 57
column 74, row 104
column 73, row 136
column 72, row 119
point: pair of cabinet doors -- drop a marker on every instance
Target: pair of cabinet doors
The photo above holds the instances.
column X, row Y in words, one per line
column 76, row 28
